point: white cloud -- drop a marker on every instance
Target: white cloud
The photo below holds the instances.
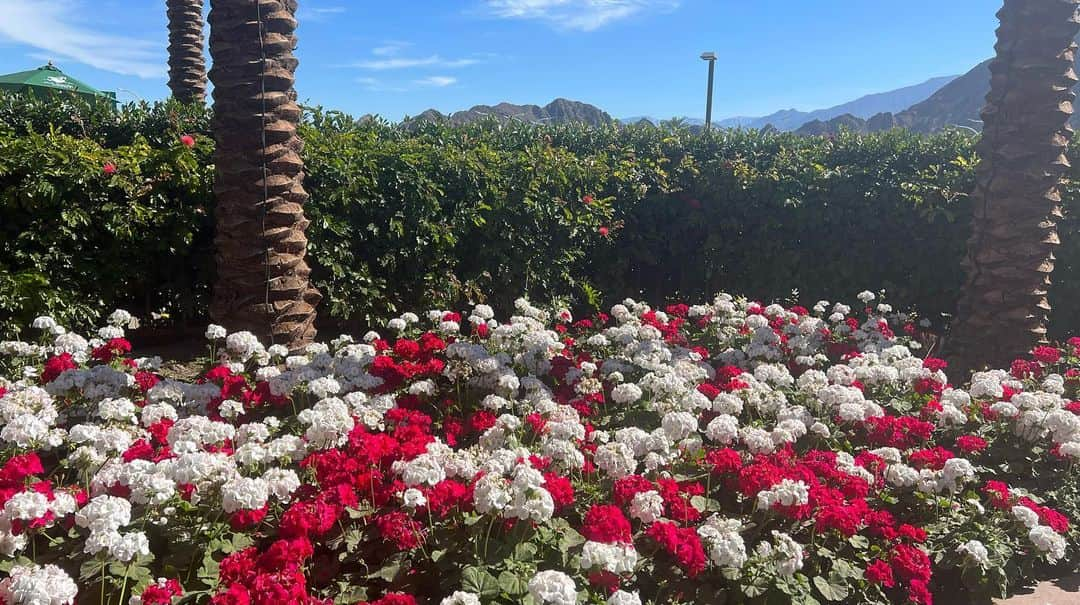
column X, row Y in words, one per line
column 584, row 15
column 392, row 62
column 436, row 81
column 57, row 28
column 318, row 13
column 390, row 49
column 377, row 85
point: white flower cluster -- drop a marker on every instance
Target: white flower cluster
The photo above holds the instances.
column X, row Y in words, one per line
column 783, row 391
column 723, row 542
column 38, row 585
column 785, row 493
column 552, row 587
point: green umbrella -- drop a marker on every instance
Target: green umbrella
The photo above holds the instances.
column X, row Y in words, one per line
column 49, row 79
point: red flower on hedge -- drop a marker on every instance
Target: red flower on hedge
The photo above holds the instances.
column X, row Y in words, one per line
column 400, row 529
column 606, row 523
column 911, row 563
column 20, row 467
column 724, row 460
column 587, row 199
column 188, row 141
column 1046, row 354
column 879, row 572
column 919, row 593
column 57, row 365
column 603, row 231
column 934, row 364
column 560, row 488
column 998, row 492
column 682, row 543
column 109, row 168
column 970, row 444
column 112, row 349
column 161, row 593
column 243, row 519
column 1057, row 521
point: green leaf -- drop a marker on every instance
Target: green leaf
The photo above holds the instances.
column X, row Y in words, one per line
column 831, row 592
column 390, row 570
column 524, row 552
column 570, row 538
column 753, row 590
column 512, row 584
column 91, row 569
column 844, row 569
column 859, row 542
column 209, row 570
column 480, row 582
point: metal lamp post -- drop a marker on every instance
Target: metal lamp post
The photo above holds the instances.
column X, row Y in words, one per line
column 711, row 58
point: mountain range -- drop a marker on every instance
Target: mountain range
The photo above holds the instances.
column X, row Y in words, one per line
column 926, row 107
column 863, row 107
column 559, row 111
column 958, row 103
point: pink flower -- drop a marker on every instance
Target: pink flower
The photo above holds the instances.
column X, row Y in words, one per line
column 109, row 168
column 188, row 141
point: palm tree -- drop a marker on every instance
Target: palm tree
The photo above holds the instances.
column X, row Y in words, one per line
column 187, row 67
column 263, row 280
column 1003, row 308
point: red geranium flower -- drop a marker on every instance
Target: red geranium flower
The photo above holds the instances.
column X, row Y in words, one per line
column 606, row 523
column 971, row 444
column 879, row 572
column 1046, row 354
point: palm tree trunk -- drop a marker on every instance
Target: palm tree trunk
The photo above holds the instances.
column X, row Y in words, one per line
column 263, row 280
column 1003, row 308
column 187, row 67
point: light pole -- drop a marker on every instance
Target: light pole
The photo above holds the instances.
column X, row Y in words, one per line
column 711, row 58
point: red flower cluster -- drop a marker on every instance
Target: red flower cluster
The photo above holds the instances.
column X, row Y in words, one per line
column 682, row 543
column 900, row 432
column 606, row 523
column 266, row 577
column 1057, row 521
column 57, row 365
column 117, row 347
column 161, row 594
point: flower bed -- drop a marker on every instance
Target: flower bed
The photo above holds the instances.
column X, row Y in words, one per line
column 725, row 452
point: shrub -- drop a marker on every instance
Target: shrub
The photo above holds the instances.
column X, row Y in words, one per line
column 721, row 452
column 84, row 226
column 440, row 214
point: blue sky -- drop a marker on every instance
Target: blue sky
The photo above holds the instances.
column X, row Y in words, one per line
column 629, row 57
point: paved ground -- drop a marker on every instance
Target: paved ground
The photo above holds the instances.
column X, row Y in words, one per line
column 1065, row 591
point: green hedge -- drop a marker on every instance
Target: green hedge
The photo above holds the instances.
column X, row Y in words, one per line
column 406, row 218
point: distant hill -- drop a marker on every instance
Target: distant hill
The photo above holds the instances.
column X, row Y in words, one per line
column 958, row 103
column 864, row 107
column 657, row 121
column 559, row 111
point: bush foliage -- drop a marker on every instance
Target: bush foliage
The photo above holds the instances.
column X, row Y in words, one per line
column 442, row 214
